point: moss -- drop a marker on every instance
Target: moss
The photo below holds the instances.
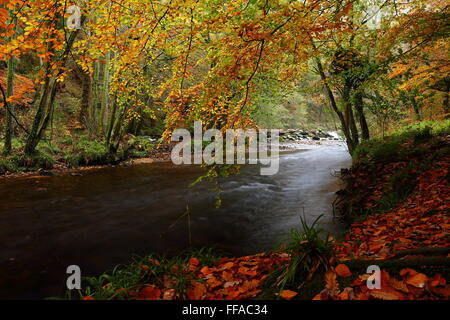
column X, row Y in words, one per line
column 7, row 165
column 87, row 152
column 138, row 147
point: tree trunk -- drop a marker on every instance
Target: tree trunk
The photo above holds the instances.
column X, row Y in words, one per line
column 344, row 125
column 85, row 116
column 9, row 92
column 348, row 114
column 105, row 93
column 9, row 129
column 112, row 119
column 415, row 107
column 359, row 106
column 46, row 104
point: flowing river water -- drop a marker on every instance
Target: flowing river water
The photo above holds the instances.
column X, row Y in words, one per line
column 101, row 218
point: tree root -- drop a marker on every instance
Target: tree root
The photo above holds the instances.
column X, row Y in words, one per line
column 435, row 252
column 396, row 263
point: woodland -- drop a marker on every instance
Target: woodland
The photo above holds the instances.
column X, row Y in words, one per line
column 99, row 83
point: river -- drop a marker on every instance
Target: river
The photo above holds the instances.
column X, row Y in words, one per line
column 101, row 218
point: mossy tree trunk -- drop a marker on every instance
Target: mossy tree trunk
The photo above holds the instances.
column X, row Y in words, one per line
column 104, row 95
column 87, row 101
column 359, row 106
column 9, row 92
column 47, row 98
column 9, row 129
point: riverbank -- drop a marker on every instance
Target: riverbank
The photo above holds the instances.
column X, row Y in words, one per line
column 400, row 189
column 144, row 152
column 87, row 157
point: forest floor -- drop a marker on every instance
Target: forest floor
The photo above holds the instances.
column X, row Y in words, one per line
column 396, row 203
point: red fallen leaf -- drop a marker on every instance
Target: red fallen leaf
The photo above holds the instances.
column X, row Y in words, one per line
column 346, row 294
column 228, row 265
column 150, row 293
column 243, row 270
column 288, row 294
column 331, row 283
column 376, row 247
column 88, row 298
column 363, row 296
column 227, row 276
column 197, row 291
column 387, row 294
column 407, row 272
column 194, row 262
column 231, row 284
column 229, row 293
column 343, row 271
column 154, row 261
column 214, row 283
column 438, row 280
column 343, row 295
column 250, row 285
column 444, row 292
column 206, row 270
column 319, row 297
column 251, row 273
column 169, row 294
column 398, row 285
column 144, row 267
column 418, row 280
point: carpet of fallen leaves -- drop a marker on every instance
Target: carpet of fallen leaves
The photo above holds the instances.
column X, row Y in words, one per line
column 228, row 279
column 408, row 285
column 422, row 220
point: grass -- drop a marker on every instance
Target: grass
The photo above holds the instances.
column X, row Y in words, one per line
column 392, row 148
column 150, row 270
column 310, row 255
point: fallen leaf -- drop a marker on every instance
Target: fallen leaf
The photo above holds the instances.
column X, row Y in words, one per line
column 385, row 294
column 169, row 294
column 151, row 292
column 331, row 283
column 343, row 271
column 288, row 294
column 197, row 292
column 438, row 280
column 193, row 264
column 407, row 272
column 418, row 280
